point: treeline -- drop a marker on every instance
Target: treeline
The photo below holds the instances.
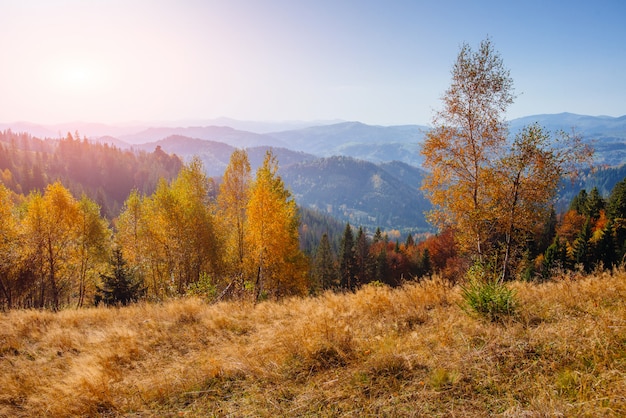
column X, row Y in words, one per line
column 243, row 239
column 105, row 173
column 362, row 259
column 590, row 235
column 240, row 240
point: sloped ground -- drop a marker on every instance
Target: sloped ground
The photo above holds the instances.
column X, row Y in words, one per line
column 410, row 351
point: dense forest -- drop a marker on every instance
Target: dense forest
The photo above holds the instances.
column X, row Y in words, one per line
column 105, row 173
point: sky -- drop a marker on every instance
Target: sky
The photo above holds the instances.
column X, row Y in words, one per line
column 383, row 62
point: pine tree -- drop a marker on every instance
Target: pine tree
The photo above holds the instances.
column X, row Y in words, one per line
column 363, row 265
column 381, row 267
column 409, row 241
column 554, row 257
column 378, row 236
column 324, row 265
column 121, row 288
column 582, row 247
column 347, row 259
column 579, row 202
column 595, row 204
column 424, row 267
column 605, row 249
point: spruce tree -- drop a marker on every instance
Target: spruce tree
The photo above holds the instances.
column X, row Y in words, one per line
column 605, row 248
column 346, row 259
column 121, row 288
column 595, row 204
column 363, row 263
column 582, row 247
column 324, row 268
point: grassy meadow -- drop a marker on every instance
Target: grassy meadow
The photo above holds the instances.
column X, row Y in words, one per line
column 410, row 351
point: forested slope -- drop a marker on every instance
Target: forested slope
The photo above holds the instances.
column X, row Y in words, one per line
column 104, row 173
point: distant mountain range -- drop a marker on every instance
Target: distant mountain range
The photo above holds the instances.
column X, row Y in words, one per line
column 385, row 195
column 329, row 138
column 367, row 174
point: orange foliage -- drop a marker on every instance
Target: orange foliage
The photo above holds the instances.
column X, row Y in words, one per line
column 571, row 224
column 441, row 248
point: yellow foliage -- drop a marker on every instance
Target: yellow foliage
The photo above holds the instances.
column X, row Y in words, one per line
column 275, row 263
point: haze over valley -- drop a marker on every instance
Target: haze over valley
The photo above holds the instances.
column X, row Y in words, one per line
column 369, row 175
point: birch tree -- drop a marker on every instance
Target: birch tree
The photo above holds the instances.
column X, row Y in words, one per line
column 493, row 193
column 467, row 134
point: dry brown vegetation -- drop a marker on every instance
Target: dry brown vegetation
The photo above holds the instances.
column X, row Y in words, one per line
column 410, row 351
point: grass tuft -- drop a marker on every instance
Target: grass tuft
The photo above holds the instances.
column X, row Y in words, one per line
column 489, row 299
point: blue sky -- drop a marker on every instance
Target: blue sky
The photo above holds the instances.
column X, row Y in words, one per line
column 379, row 62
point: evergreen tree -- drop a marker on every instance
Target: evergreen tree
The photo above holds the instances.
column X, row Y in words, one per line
column 363, row 265
column 554, row 257
column 605, row 248
column 579, row 202
column 595, row 204
column 617, row 201
column 346, row 259
column 378, row 236
column 409, row 241
column 324, row 265
column 424, row 267
column 582, row 247
column 121, row 287
column 616, row 208
column 381, row 267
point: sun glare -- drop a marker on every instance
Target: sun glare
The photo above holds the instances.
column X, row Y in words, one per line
column 77, row 76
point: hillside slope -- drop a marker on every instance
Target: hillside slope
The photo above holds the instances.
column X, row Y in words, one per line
column 411, row 351
column 359, row 192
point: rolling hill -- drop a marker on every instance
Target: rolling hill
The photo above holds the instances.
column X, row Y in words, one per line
column 353, row 171
column 358, row 140
column 360, row 192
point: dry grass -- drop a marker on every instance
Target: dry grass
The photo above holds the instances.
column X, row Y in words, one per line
column 380, row 352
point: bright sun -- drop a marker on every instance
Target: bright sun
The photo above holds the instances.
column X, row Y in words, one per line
column 77, row 76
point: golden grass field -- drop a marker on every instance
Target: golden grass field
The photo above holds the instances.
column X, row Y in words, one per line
column 411, row 351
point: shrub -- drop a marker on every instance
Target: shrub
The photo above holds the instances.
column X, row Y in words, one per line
column 486, row 296
column 203, row 288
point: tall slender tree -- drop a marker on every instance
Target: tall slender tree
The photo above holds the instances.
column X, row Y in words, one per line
column 325, row 265
column 275, row 263
column 8, row 247
column 347, row 265
column 50, row 230
column 93, row 241
column 232, row 203
column 527, row 178
column 363, row 262
column 492, row 193
column 459, row 151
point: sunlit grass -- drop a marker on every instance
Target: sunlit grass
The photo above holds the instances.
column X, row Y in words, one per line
column 411, row 351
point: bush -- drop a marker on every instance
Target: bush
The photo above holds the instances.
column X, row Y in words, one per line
column 204, row 288
column 486, row 296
